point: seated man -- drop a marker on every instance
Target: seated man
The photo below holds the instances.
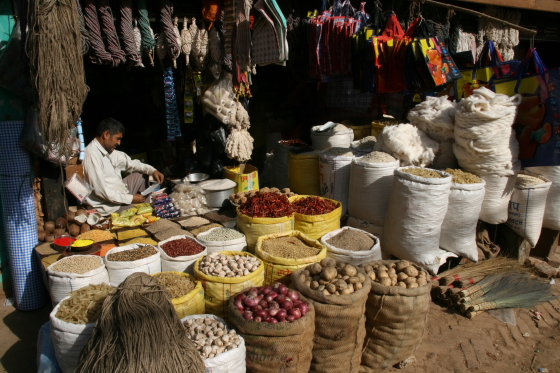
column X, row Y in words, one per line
column 103, row 166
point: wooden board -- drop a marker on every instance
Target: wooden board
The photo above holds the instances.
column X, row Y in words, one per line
column 540, row 5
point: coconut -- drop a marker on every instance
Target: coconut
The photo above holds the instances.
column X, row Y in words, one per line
column 85, row 228
column 81, row 212
column 70, row 215
column 61, row 223
column 74, row 230
column 49, row 238
column 43, row 235
column 49, row 226
column 59, row 232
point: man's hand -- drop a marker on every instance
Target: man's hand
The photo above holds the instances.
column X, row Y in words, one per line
column 159, row 177
column 138, row 198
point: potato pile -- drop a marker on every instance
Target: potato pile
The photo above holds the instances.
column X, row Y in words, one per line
column 401, row 273
column 241, row 197
column 332, row 278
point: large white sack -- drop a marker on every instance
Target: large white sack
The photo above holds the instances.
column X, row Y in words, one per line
column 551, row 218
column 280, row 178
column 496, row 198
column 369, row 190
column 417, row 207
column 180, row 263
column 239, row 244
column 232, row 361
column 119, row 271
column 458, row 231
column 353, row 257
column 408, row 144
column 69, row 339
column 61, row 284
column 526, row 209
column 334, row 174
column 341, row 138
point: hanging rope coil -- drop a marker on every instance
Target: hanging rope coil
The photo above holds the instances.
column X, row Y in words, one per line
column 127, row 35
column 148, row 40
column 100, row 55
column 85, row 34
column 108, row 28
column 167, row 29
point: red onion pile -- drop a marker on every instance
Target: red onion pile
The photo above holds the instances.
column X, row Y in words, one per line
column 271, row 304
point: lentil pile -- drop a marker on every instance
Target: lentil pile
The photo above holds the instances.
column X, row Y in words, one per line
column 351, row 240
column 182, row 247
column 168, row 233
column 221, row 265
column 423, row 172
column 144, row 240
column 79, row 264
column 96, row 235
column 211, row 337
column 267, row 205
column 289, row 248
column 461, row 177
column 339, row 152
column 313, row 206
column 193, row 222
column 221, row 234
column 377, row 157
column 131, row 233
column 524, row 181
column 332, row 278
column 205, row 228
column 84, row 305
column 176, row 284
column 133, row 254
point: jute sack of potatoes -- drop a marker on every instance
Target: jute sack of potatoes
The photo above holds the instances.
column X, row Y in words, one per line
column 396, row 313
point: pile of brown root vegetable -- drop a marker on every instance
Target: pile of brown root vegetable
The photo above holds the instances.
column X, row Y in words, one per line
column 401, row 273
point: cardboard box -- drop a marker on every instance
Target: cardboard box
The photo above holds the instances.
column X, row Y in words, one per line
column 245, row 175
column 72, row 169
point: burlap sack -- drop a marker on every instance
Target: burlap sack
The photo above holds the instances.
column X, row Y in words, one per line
column 395, row 323
column 282, row 347
column 340, row 327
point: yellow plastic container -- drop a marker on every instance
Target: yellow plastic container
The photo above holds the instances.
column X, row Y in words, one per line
column 191, row 303
column 303, row 171
column 245, row 175
column 360, row 131
column 316, row 226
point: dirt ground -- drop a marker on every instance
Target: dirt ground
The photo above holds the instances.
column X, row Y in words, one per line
column 452, row 343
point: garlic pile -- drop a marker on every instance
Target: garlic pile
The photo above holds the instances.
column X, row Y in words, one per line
column 211, row 337
column 332, row 278
column 221, row 265
column 401, row 273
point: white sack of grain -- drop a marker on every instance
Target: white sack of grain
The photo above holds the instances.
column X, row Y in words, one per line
column 551, row 218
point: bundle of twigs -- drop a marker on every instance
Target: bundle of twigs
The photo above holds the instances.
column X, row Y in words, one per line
column 54, row 46
column 139, row 332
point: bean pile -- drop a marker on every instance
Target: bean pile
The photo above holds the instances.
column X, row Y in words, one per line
column 133, row 254
column 222, row 265
column 289, row 247
column 84, row 305
column 423, row 172
column 267, row 205
column 193, row 222
column 401, row 274
column 211, row 337
column 352, row 240
column 313, row 206
column 176, row 284
column 182, row 247
column 96, row 235
column 221, row 234
column 332, row 278
column 79, row 264
column 205, row 228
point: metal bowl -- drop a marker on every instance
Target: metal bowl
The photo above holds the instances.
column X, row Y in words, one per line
column 60, row 247
column 197, row 177
column 176, row 181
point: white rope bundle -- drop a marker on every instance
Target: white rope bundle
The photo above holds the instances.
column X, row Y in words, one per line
column 239, row 144
column 505, row 38
column 485, row 142
column 186, row 40
column 466, row 42
column 199, row 43
column 435, row 116
column 407, row 143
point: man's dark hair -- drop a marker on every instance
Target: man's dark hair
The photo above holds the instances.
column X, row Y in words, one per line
column 111, row 125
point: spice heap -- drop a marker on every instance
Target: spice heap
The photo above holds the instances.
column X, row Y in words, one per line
column 313, row 206
column 401, row 274
column 195, row 221
column 289, row 248
column 524, row 181
column 96, row 235
column 353, row 240
column 221, row 234
column 84, row 305
column 461, row 177
column 423, row 172
column 242, row 197
column 211, row 337
column 332, row 278
column 131, row 233
column 272, row 304
column 82, row 243
column 176, row 284
column 293, row 142
column 267, row 205
column 205, row 228
column 222, row 265
column 377, row 157
column 182, row 247
column 143, row 240
column 79, row 264
column 133, row 254
column 339, row 152
column 171, row 232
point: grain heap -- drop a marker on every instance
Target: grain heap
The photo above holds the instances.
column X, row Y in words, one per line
column 205, row 228
column 182, row 247
column 222, row 265
column 339, row 152
column 352, row 240
column 171, row 232
column 524, row 181
column 96, row 235
column 195, row 221
column 84, row 305
column 223, row 234
column 131, row 233
column 133, row 254
column 79, row 264
column 211, row 337
column 461, row 177
column 367, row 143
column 422, row 172
column 332, row 278
column 401, row 274
column 377, row 157
column 161, row 225
column 289, row 247
column 177, row 285
column 142, row 240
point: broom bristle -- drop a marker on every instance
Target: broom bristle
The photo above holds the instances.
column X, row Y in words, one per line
column 487, row 267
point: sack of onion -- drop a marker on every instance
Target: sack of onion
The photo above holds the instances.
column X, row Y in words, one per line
column 338, row 292
column 179, row 253
column 278, row 326
column 187, row 294
column 284, row 253
column 221, row 348
column 395, row 314
column 316, row 216
column 123, row 261
column 224, row 274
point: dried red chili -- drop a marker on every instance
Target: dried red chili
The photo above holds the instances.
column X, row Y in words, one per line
column 293, row 142
column 182, row 247
column 313, row 206
column 267, row 205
